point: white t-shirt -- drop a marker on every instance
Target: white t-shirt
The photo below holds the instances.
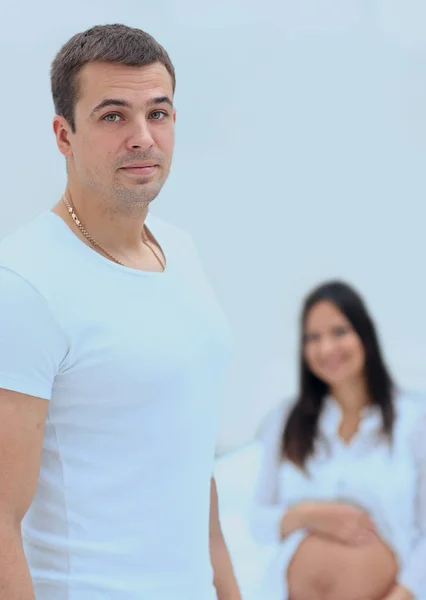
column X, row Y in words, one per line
column 133, row 365
column 389, row 483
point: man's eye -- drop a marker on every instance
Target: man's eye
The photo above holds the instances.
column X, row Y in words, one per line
column 158, row 115
column 112, row 118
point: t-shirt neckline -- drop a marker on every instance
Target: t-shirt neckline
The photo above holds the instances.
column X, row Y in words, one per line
column 94, row 255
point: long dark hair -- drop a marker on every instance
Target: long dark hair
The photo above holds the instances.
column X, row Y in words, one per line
column 301, row 428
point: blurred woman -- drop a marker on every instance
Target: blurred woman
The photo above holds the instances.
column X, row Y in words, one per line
column 342, row 485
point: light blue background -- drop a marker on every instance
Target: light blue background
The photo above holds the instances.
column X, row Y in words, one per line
column 301, row 144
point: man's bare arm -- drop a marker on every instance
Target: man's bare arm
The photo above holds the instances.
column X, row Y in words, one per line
column 224, row 577
column 22, row 420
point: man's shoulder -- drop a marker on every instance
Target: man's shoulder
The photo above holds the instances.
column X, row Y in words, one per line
column 168, row 230
column 24, row 236
column 176, row 242
column 28, row 249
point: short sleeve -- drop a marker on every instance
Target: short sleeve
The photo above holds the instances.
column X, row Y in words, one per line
column 32, row 344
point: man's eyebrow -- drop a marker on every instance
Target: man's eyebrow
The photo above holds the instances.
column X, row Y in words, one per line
column 111, row 102
column 161, row 100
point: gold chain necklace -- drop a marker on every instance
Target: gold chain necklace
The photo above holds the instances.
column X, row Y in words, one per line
column 97, row 245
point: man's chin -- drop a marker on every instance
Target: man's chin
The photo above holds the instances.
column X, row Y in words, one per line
column 136, row 196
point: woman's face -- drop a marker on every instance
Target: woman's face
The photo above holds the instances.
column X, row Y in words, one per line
column 332, row 349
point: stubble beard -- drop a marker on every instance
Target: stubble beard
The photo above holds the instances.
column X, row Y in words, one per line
column 119, row 199
column 132, row 202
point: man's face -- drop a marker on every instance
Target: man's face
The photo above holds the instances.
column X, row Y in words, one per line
column 123, row 143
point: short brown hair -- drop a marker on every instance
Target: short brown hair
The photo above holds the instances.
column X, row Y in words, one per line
column 110, row 43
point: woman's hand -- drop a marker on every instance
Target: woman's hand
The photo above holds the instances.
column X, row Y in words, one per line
column 342, row 522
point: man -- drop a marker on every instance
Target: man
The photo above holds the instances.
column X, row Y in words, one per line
column 113, row 356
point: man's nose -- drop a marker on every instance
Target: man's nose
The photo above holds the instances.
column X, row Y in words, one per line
column 140, row 136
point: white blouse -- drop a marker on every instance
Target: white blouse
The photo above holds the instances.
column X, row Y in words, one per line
column 388, row 481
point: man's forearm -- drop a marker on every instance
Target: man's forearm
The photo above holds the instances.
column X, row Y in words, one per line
column 15, row 579
column 225, row 581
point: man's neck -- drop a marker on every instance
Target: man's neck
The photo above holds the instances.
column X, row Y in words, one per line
column 118, row 233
